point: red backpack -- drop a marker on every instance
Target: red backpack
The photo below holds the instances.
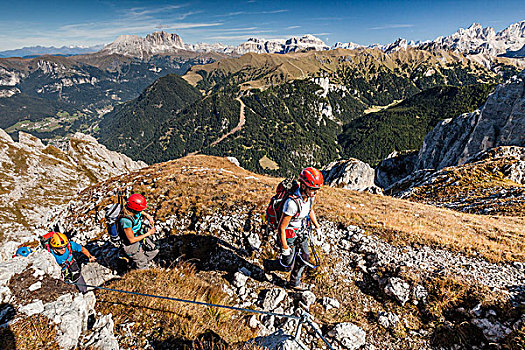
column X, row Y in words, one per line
column 274, row 211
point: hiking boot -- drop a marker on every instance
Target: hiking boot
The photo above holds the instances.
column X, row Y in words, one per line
column 301, row 287
column 268, row 265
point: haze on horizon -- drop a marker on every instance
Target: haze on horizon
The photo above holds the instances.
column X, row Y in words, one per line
column 86, row 23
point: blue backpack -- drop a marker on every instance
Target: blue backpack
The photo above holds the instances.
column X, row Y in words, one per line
column 113, row 213
column 23, row 251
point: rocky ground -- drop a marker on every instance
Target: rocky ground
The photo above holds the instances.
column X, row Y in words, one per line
column 368, row 293
column 37, row 180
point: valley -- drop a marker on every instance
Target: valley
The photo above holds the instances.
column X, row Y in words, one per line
column 422, row 211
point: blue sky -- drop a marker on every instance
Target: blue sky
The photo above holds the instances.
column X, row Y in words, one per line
column 78, row 22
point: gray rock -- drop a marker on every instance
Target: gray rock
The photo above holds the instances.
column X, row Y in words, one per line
column 35, row 286
column 308, row 298
column 234, row 161
column 254, row 322
column 499, row 122
column 420, row 294
column 35, row 307
column 96, row 274
column 276, row 341
column 273, row 298
column 254, row 241
column 351, row 174
column 398, row 289
column 387, row 320
column 330, row 303
column 516, row 172
column 102, row 336
column 70, row 312
column 493, row 331
column 5, row 295
column 239, row 279
column 348, row 335
column 395, row 167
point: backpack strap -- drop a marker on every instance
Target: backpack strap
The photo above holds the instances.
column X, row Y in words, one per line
column 298, row 203
column 66, row 264
column 120, row 230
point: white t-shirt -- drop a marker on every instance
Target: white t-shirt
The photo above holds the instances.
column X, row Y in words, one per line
column 290, row 209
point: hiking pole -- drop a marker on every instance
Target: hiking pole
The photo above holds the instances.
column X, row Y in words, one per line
column 318, row 332
column 298, row 329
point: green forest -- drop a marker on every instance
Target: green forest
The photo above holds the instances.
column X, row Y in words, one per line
column 373, row 136
column 294, row 124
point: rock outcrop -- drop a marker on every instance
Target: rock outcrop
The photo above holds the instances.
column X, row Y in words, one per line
column 489, row 182
column 38, row 179
column 135, row 46
column 351, row 174
column 60, row 303
column 394, row 168
column 499, row 122
column 306, row 42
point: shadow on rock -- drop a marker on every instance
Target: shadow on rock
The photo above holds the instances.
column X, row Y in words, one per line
column 208, row 253
column 206, row 341
column 7, row 338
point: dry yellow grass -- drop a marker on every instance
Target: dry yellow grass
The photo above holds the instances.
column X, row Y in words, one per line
column 263, row 70
column 183, row 185
column 168, row 322
column 476, row 188
column 29, row 333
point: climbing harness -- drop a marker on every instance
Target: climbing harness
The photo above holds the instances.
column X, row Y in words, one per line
column 308, row 230
column 305, row 317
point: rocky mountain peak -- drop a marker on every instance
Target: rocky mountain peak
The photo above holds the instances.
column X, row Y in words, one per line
column 127, row 39
column 47, row 177
column 135, row 46
column 165, row 39
column 349, row 46
column 499, row 122
column 293, row 44
column 476, row 39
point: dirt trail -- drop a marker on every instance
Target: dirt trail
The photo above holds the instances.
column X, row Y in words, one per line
column 302, row 72
column 242, row 121
column 239, row 126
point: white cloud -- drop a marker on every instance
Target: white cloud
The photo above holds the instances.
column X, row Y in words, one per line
column 247, row 13
column 143, row 11
column 392, row 26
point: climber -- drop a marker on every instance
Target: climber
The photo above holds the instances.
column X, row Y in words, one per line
column 62, row 249
column 292, row 233
column 137, row 245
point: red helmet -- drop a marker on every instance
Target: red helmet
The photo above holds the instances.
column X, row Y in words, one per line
column 136, row 202
column 311, row 177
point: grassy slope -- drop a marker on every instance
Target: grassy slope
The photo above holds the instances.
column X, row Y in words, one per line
column 496, row 238
column 201, row 185
column 261, row 70
column 479, row 187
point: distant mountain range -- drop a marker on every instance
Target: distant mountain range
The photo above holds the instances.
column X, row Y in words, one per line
column 509, row 42
column 33, row 51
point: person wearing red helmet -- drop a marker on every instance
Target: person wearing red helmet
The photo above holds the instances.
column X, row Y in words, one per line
column 130, row 230
column 296, row 211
